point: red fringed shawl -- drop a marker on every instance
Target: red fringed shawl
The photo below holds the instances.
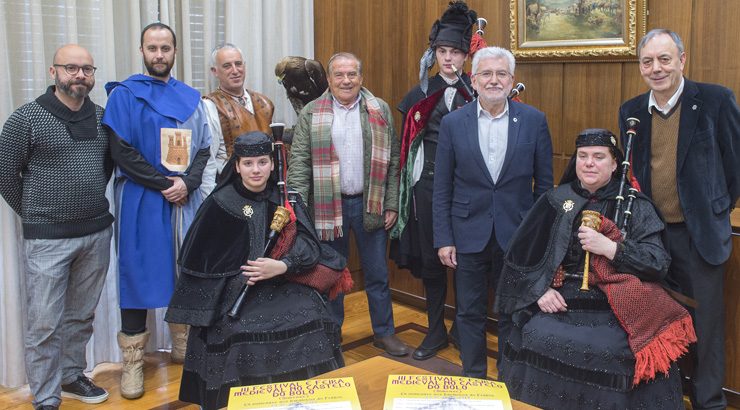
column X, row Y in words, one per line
column 659, row 330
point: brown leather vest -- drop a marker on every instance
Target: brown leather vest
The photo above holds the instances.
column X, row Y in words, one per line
column 236, row 120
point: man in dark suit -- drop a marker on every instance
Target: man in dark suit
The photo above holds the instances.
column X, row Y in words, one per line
column 686, row 157
column 494, row 158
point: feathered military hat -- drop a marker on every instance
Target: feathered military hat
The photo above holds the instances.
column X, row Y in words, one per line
column 453, row 29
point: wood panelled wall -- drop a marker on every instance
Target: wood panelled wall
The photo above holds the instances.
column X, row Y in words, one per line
column 389, row 36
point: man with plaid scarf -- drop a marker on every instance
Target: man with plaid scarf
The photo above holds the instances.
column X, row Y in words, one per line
column 344, row 163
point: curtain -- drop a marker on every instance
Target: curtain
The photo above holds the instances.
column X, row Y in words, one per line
column 265, row 31
column 30, row 32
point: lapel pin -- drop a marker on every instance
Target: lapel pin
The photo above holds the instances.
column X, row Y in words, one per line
column 694, row 107
column 568, row 205
column 248, row 211
column 515, row 119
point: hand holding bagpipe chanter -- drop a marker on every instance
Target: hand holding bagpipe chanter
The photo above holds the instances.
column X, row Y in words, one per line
column 621, row 217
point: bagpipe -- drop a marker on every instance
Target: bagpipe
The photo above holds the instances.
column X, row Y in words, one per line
column 592, row 219
column 476, row 43
column 283, row 213
column 621, row 218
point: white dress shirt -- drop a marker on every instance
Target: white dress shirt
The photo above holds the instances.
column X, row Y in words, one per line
column 346, row 137
column 652, row 103
column 493, row 138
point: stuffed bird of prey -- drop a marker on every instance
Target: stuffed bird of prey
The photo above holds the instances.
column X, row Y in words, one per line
column 304, row 80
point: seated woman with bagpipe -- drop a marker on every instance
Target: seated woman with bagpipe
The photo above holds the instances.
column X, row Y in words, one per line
column 593, row 326
column 283, row 331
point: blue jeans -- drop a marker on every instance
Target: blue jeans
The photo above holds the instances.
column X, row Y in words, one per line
column 372, row 247
column 64, row 278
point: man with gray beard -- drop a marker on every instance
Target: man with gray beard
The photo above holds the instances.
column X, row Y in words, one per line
column 54, row 168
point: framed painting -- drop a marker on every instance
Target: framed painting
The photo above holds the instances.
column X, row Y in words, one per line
column 577, row 30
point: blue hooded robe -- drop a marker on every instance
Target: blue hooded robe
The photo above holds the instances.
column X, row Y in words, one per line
column 150, row 228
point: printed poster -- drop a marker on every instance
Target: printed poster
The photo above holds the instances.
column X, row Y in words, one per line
column 434, row 392
column 315, row 394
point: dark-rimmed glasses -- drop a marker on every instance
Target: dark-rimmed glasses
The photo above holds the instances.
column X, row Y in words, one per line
column 73, row 69
column 487, row 75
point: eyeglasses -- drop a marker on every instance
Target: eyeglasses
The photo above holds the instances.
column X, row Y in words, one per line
column 487, row 75
column 73, row 69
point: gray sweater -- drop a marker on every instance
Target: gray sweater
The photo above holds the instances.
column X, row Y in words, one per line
column 55, row 182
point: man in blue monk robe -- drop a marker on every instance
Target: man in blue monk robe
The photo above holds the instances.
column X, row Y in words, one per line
column 160, row 142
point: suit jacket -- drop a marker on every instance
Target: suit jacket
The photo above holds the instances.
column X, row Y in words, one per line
column 467, row 204
column 707, row 163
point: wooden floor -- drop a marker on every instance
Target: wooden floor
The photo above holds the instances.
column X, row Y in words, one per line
column 162, row 378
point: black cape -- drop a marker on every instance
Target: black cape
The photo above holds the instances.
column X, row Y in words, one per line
column 284, row 330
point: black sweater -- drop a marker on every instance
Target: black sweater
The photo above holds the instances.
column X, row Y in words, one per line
column 54, row 181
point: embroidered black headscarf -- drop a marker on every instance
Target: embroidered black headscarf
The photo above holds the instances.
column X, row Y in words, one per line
column 593, row 137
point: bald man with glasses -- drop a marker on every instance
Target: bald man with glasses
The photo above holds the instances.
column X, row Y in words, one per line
column 54, row 168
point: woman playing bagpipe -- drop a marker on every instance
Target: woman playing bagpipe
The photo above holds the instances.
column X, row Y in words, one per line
column 283, row 331
column 593, row 326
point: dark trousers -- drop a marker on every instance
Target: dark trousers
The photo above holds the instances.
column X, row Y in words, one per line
column 475, row 274
column 133, row 321
column 703, row 282
column 372, row 249
column 433, row 274
column 435, row 289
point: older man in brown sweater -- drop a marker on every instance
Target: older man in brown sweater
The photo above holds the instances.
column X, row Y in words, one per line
column 686, row 157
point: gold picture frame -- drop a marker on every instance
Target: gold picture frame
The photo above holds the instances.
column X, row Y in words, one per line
column 577, row 30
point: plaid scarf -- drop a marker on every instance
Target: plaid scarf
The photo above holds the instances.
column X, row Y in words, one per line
column 659, row 330
column 327, row 196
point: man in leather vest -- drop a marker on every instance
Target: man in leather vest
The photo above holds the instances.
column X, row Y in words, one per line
column 232, row 109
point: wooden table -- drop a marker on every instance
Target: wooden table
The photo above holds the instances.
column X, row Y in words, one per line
column 371, row 377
